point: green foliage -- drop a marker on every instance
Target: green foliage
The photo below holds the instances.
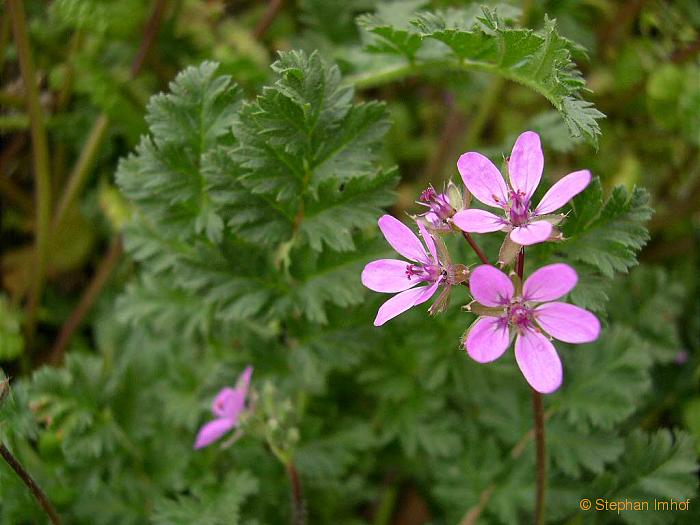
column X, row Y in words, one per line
column 482, row 40
column 607, row 235
column 11, row 340
column 659, row 466
column 251, row 213
column 221, row 506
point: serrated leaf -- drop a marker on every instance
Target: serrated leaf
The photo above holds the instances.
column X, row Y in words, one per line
column 607, row 235
column 606, row 379
column 660, row 466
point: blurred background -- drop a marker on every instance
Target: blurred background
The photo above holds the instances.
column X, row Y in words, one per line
column 97, row 62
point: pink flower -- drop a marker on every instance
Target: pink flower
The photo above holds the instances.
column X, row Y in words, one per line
column 505, row 314
column 393, row 275
column 228, row 405
column 441, row 211
column 484, row 181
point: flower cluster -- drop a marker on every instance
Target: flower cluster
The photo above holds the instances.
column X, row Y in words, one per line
column 508, row 309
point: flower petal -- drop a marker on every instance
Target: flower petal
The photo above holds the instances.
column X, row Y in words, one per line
column 243, row 381
column 563, row 191
column 402, row 239
column 487, row 339
column 550, row 282
column 538, row 361
column 478, row 221
column 526, row 163
column 567, row 322
column 538, row 231
column 483, row 179
column 222, row 401
column 387, row 275
column 428, row 239
column 490, row 286
column 213, row 431
column 403, row 301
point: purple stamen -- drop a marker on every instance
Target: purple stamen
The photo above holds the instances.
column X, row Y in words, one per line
column 519, row 208
column 520, row 315
column 438, row 204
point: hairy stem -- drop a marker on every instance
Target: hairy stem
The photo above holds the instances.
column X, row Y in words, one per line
column 298, row 505
column 36, row 491
column 479, row 253
column 538, row 416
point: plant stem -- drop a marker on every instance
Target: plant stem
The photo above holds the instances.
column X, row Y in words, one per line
column 538, row 416
column 298, row 506
column 475, row 247
column 81, row 170
column 42, row 185
column 538, row 412
column 149, row 36
column 87, row 300
column 265, row 22
column 78, row 174
column 399, row 71
column 36, row 491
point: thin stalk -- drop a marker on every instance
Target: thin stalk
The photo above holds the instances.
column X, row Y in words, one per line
column 396, row 72
column 90, row 295
column 42, row 185
column 36, row 491
column 265, row 22
column 538, row 412
column 479, row 253
column 4, row 37
column 538, row 416
column 80, row 171
column 298, row 506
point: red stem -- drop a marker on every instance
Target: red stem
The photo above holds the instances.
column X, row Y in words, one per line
column 31, row 484
column 479, row 253
column 298, row 506
column 538, row 415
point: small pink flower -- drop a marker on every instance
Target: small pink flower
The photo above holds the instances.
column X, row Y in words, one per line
column 485, row 182
column 393, row 275
column 440, row 209
column 227, row 406
column 526, row 316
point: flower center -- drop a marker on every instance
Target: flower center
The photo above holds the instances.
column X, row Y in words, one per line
column 519, row 210
column 420, row 272
column 438, row 204
column 520, row 315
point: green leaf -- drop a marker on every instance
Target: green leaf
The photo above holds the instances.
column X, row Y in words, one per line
column 575, row 452
column 607, row 235
column 483, row 40
column 308, row 159
column 659, row 466
column 165, row 178
column 391, row 28
column 212, row 505
column 606, row 380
